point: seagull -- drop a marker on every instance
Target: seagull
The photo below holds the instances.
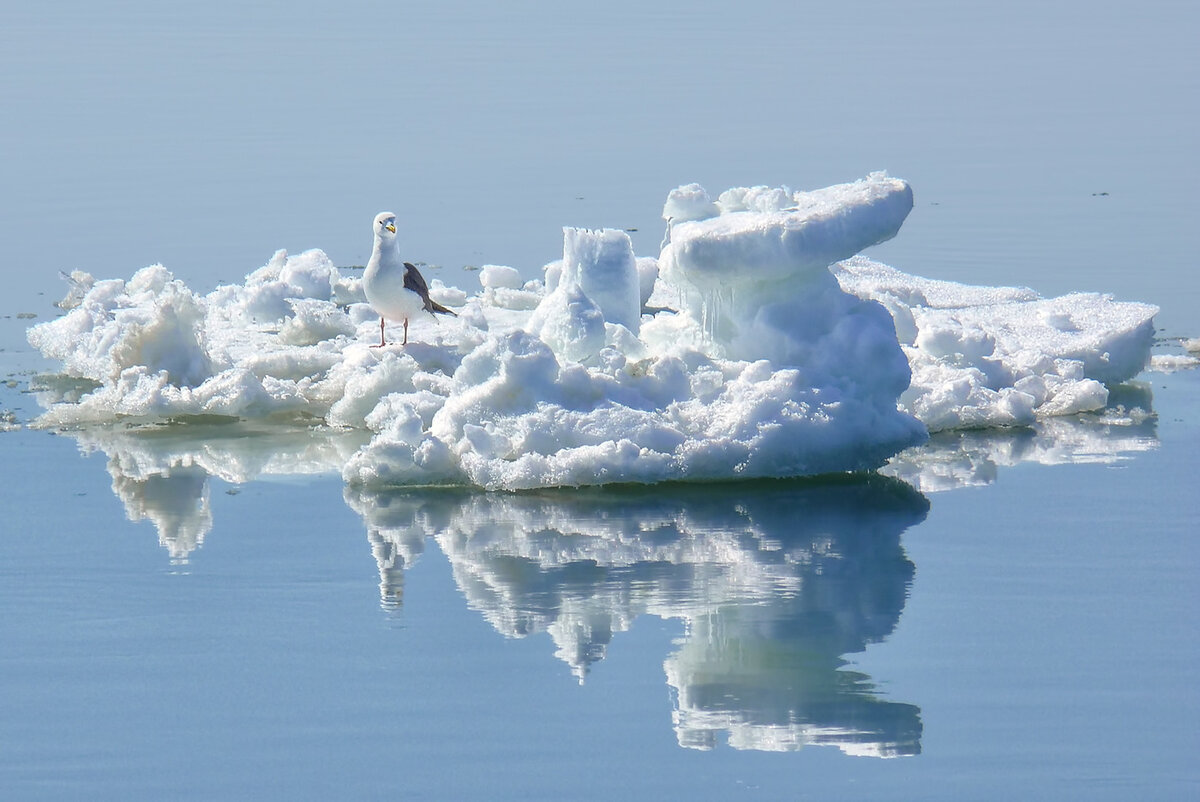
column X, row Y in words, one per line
column 395, row 289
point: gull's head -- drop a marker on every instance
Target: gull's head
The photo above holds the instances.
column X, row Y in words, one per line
column 385, row 225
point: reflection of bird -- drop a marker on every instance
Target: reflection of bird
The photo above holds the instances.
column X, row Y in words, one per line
column 394, row 288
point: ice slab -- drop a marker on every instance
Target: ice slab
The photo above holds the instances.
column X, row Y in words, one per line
column 1004, row 356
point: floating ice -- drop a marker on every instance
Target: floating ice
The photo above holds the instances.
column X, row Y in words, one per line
column 1169, row 363
column 736, row 353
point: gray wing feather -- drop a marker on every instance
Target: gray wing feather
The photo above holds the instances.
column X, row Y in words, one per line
column 413, row 280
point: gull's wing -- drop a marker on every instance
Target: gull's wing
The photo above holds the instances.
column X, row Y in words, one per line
column 413, row 280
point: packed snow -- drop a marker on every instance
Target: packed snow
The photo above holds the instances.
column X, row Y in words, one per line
column 756, row 343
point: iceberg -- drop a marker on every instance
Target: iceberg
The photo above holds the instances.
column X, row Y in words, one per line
column 757, row 343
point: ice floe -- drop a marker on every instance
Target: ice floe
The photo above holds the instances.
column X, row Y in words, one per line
column 757, row 343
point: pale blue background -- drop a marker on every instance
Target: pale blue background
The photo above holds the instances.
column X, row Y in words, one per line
column 1049, row 639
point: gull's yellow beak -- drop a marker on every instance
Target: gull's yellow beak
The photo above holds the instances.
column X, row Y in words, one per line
column 391, row 227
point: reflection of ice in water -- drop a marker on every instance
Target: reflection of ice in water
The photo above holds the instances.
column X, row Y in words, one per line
column 397, row 540
column 968, row 458
column 175, row 501
column 768, row 682
column 161, row 474
column 775, row 582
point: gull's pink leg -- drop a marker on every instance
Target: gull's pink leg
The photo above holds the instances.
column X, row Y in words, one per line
column 405, row 332
column 381, row 340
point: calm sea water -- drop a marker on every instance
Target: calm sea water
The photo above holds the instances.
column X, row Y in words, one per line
column 211, row 614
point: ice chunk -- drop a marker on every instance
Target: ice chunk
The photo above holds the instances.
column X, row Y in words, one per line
column 758, row 284
column 569, row 323
column 647, row 268
column 758, row 251
column 314, row 320
column 755, row 199
column 602, row 265
column 690, row 202
column 266, row 295
column 152, row 322
column 598, row 283
column 493, row 276
column 1169, row 363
